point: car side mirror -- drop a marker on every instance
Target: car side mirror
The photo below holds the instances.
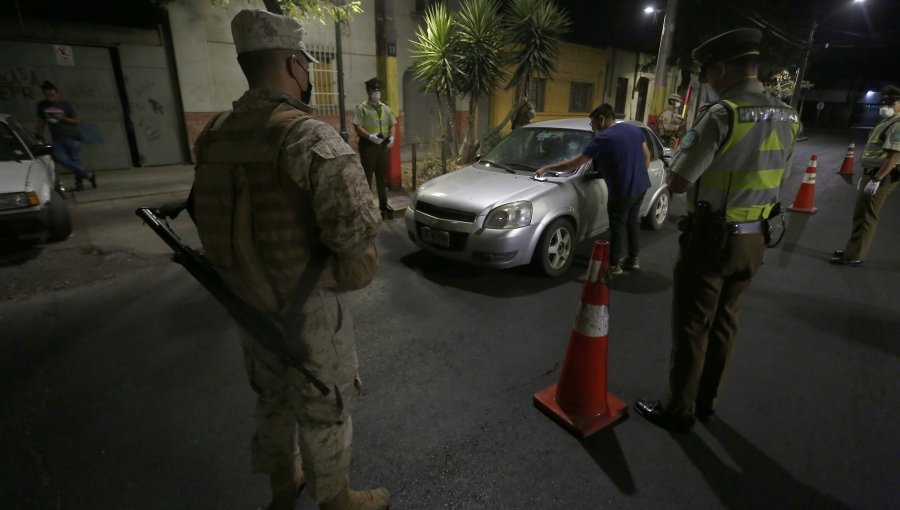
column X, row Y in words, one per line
column 42, row 150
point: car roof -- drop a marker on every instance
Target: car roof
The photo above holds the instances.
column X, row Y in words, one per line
column 579, row 123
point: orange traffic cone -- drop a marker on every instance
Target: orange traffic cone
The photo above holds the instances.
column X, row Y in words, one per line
column 847, row 165
column 804, row 201
column 579, row 401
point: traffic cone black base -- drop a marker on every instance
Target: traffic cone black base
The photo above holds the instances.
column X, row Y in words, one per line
column 579, row 425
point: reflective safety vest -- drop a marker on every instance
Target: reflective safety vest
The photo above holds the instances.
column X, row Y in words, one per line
column 745, row 174
column 251, row 216
column 874, row 154
column 374, row 120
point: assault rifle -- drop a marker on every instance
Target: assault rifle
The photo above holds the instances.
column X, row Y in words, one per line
column 270, row 332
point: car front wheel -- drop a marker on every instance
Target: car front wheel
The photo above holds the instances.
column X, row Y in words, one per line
column 555, row 251
column 658, row 211
column 60, row 220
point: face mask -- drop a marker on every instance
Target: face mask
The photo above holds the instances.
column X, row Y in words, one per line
column 306, row 95
column 886, row 112
column 376, row 96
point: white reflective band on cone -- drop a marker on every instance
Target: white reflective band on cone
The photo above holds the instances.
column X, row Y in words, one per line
column 809, row 178
column 592, row 320
column 593, row 272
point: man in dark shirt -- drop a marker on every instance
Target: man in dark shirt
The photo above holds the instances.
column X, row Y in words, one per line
column 66, row 138
column 620, row 152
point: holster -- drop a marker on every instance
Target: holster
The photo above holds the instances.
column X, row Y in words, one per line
column 705, row 238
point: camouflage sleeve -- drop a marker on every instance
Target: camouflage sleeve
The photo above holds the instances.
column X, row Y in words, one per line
column 342, row 200
column 700, row 143
column 892, row 137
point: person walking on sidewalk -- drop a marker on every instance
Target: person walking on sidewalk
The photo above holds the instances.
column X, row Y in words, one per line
column 881, row 174
column 66, row 137
column 620, row 153
column 284, row 215
column 374, row 124
column 732, row 162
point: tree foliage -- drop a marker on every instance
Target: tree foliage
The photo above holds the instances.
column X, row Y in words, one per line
column 338, row 10
column 536, row 28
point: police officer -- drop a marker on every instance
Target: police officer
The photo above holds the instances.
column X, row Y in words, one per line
column 273, row 189
column 670, row 121
column 374, row 123
column 732, row 163
column 881, row 174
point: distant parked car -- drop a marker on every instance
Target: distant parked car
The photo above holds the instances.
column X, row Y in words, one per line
column 496, row 213
column 32, row 201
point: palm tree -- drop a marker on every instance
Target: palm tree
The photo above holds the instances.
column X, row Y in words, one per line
column 480, row 39
column 435, row 61
column 535, row 30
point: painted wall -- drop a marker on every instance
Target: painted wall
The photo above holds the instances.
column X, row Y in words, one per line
column 577, row 63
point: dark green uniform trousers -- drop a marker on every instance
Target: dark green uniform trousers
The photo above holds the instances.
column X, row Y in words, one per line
column 705, row 309
column 865, row 218
column 374, row 159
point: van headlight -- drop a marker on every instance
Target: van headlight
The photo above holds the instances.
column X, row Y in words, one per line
column 514, row 215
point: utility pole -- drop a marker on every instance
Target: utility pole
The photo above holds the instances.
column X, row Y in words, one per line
column 662, row 68
column 386, row 64
column 795, row 96
column 339, row 57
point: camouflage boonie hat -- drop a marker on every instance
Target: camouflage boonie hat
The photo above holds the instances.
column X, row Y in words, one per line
column 258, row 30
column 890, row 93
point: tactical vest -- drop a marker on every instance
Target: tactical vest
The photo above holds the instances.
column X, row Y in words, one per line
column 746, row 173
column 874, row 154
column 251, row 216
column 374, row 120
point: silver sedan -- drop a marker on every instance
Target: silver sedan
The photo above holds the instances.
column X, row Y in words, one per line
column 496, row 213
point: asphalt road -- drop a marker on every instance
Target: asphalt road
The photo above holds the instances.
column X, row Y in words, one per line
column 129, row 393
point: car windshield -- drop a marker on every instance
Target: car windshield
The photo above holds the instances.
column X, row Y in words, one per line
column 10, row 147
column 527, row 149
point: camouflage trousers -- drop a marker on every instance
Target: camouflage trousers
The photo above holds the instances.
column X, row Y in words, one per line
column 296, row 426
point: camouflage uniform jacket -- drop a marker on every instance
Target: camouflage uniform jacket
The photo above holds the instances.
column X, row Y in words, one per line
column 314, row 156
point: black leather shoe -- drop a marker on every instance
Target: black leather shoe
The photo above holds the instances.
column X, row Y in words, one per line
column 841, row 260
column 653, row 411
column 93, row 179
column 387, row 214
column 704, row 414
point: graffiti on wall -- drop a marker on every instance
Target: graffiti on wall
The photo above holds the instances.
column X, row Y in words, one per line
column 19, row 83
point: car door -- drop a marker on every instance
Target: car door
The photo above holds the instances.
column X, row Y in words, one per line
column 592, row 196
column 656, row 170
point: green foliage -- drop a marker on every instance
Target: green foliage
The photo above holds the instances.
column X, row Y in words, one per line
column 536, row 28
column 781, row 85
column 435, row 58
column 338, row 10
column 480, row 36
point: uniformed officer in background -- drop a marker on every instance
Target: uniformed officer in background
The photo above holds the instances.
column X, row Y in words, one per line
column 274, row 189
column 671, row 123
column 374, row 123
column 732, row 162
column 881, row 174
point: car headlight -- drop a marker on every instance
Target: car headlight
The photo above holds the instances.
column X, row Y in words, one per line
column 514, row 215
column 18, row 200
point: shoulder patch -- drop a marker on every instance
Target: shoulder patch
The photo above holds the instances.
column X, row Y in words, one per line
column 329, row 144
column 690, row 138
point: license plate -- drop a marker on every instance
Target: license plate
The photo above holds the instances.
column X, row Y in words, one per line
column 437, row 237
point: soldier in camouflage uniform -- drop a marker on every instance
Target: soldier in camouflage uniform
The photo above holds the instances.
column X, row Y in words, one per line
column 273, row 187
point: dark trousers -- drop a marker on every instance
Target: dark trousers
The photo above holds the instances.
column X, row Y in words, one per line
column 624, row 220
column 705, row 310
column 374, row 159
column 865, row 217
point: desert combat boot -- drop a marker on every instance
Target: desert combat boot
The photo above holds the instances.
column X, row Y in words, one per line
column 347, row 499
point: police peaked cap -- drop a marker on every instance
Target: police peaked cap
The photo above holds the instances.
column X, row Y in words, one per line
column 374, row 83
column 728, row 46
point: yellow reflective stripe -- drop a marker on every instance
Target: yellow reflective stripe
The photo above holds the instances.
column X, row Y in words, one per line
column 744, row 214
column 755, row 180
column 773, row 143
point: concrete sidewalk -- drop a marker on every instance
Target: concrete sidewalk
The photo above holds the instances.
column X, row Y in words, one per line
column 161, row 180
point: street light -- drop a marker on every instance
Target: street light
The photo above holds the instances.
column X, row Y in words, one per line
column 652, row 10
column 795, row 96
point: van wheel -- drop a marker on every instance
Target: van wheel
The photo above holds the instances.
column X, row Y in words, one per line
column 556, row 249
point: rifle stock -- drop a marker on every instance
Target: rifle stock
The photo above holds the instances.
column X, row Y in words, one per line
column 269, row 332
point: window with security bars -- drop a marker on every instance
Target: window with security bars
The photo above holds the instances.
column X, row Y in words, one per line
column 536, row 93
column 324, row 79
column 580, row 96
